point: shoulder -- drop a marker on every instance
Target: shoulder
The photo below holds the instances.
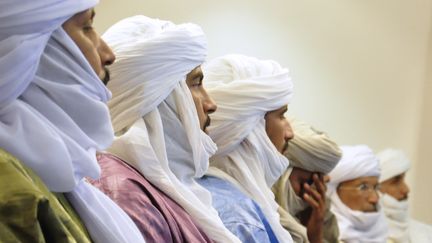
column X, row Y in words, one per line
column 232, row 205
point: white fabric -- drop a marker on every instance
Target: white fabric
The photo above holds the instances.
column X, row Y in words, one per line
column 245, row 89
column 397, row 216
column 393, row 163
column 154, row 114
column 311, row 150
column 356, row 226
column 420, row 232
column 53, row 115
column 357, row 161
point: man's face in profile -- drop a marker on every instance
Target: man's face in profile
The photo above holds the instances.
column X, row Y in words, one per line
column 204, row 104
column 278, row 128
column 396, row 187
column 80, row 28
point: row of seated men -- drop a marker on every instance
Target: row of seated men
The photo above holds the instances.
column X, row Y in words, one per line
column 167, row 146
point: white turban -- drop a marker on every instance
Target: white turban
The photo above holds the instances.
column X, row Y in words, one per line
column 356, row 226
column 393, row 162
column 245, row 89
column 312, row 150
column 154, row 114
column 53, row 115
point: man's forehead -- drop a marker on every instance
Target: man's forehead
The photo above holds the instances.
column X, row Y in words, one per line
column 361, row 180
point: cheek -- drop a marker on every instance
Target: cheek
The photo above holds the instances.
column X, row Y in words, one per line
column 199, row 106
column 89, row 48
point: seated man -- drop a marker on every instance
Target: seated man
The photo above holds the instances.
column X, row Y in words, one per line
column 159, row 112
column 53, row 118
column 249, row 128
column 353, row 191
column 394, row 199
column 301, row 189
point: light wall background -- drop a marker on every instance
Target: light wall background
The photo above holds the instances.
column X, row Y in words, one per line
column 362, row 69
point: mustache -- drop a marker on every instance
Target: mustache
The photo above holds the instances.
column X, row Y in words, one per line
column 107, row 76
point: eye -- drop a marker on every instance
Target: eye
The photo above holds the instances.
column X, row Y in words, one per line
column 363, row 187
column 87, row 28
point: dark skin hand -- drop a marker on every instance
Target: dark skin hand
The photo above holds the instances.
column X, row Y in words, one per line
column 313, row 219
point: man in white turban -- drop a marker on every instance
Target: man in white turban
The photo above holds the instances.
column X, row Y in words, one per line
column 394, row 199
column 353, row 191
column 53, row 118
column 160, row 112
column 250, row 128
column 300, row 191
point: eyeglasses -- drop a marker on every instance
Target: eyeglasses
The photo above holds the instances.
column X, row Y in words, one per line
column 364, row 188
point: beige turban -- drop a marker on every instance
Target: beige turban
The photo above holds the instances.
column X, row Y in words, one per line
column 311, row 149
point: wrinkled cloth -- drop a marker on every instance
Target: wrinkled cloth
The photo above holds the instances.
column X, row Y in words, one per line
column 29, row 212
column 44, row 74
column 397, row 216
column 154, row 115
column 311, row 149
column 245, row 89
column 240, row 214
column 393, row 163
column 356, row 226
column 158, row 217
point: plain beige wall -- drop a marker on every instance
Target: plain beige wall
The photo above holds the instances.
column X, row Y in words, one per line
column 360, row 67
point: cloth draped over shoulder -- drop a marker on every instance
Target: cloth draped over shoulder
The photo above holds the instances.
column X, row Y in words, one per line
column 44, row 74
column 356, row 226
column 154, row 115
column 245, row 89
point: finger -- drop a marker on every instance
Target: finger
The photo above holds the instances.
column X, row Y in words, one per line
column 313, row 192
column 319, row 184
column 314, row 204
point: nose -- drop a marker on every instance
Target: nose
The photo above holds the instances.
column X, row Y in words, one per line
column 209, row 104
column 373, row 197
column 289, row 134
column 405, row 189
column 106, row 54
